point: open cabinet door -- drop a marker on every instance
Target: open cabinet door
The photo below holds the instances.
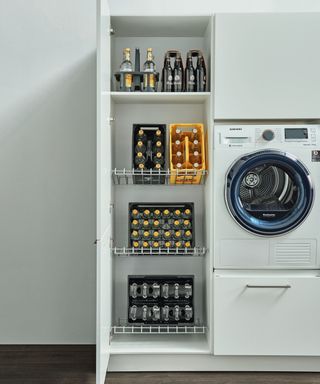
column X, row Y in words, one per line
column 104, row 195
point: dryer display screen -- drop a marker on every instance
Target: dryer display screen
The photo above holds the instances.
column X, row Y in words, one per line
column 296, row 133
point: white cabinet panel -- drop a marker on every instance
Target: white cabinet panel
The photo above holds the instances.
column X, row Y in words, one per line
column 267, row 66
column 266, row 314
column 104, row 259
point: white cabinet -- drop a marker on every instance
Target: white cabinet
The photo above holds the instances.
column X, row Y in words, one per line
column 260, row 313
column 267, row 66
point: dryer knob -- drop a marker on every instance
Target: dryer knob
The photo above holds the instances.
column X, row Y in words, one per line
column 268, row 135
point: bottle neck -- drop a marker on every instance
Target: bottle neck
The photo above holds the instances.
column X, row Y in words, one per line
column 149, row 56
column 126, row 56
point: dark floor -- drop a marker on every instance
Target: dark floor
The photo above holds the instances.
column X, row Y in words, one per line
column 76, row 365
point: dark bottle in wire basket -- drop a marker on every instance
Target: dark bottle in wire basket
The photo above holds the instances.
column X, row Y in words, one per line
column 178, row 74
column 201, row 75
column 190, row 76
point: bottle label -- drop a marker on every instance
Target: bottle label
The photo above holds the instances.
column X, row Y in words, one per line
column 177, row 79
column 128, row 80
column 151, row 80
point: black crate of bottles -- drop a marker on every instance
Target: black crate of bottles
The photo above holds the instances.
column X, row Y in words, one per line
column 149, row 153
column 161, row 299
column 161, row 226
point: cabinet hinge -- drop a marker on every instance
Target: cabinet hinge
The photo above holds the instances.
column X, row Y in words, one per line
column 111, row 207
column 111, row 31
column 111, row 242
column 111, row 119
column 96, row 241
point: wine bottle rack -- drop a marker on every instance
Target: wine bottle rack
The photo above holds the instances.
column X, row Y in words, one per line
column 158, row 329
column 155, row 177
column 127, row 251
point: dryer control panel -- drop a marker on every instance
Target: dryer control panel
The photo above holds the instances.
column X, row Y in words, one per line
column 264, row 136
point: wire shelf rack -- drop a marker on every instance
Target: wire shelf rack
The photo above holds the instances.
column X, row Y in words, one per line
column 158, row 329
column 156, row 177
column 127, row 251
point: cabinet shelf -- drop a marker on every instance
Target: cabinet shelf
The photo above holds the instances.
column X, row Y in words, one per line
column 160, row 97
column 124, row 251
column 155, row 177
column 158, row 329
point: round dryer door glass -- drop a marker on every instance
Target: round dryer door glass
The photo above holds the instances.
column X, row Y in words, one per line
column 269, row 192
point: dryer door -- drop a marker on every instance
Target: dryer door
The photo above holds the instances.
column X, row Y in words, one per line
column 268, row 192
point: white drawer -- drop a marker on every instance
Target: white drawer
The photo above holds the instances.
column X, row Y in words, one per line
column 267, row 313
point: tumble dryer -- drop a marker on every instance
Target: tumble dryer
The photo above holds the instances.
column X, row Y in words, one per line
column 266, row 200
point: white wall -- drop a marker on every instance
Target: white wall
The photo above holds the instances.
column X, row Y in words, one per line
column 47, row 171
column 165, row 7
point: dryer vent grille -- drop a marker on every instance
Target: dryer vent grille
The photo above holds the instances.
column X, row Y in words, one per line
column 293, row 253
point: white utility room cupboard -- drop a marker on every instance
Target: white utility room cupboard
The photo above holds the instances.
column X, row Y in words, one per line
column 195, row 348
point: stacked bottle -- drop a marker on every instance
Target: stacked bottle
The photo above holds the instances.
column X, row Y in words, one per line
column 149, row 151
column 187, row 153
column 161, row 226
column 160, row 299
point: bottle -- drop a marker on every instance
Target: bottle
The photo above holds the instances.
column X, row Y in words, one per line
column 167, row 75
column 135, row 235
column 178, row 74
column 136, row 79
column 149, row 68
column 190, row 75
column 157, row 167
column 188, row 235
column 158, row 159
column 194, row 134
column 144, row 312
column 177, row 214
column 178, row 235
column 177, row 146
column 146, row 235
column 166, row 213
column 135, row 214
column 133, row 313
column 158, row 135
column 157, row 213
column 165, row 313
column 194, row 157
column 135, row 224
column 177, row 134
column 146, row 213
column 186, row 224
column 187, row 213
column 195, row 145
column 176, row 224
column 158, row 147
column 201, row 74
column 139, row 159
column 146, row 224
column 140, row 147
column 156, row 224
column 156, row 235
column 126, row 67
column 188, row 312
column 141, row 135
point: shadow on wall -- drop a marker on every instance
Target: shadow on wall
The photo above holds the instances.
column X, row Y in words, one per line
column 47, row 211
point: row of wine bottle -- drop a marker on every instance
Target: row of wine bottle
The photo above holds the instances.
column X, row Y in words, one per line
column 155, row 313
column 176, row 79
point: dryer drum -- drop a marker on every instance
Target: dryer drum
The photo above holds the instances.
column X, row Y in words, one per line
column 269, row 192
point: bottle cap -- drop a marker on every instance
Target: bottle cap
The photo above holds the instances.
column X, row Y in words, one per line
column 156, row 223
column 145, row 244
column 167, row 234
column 157, row 166
column 135, row 233
column 194, row 130
column 167, row 244
column 155, row 234
column 158, row 144
column 195, row 142
column 176, row 222
column 188, row 233
column 135, row 222
column 166, row 211
column 157, row 212
column 179, row 165
column 146, row 234
column 141, row 132
column 179, row 153
column 156, row 244
column 135, row 211
column 177, row 142
column 158, row 132
column 141, row 166
column 139, row 154
column 177, row 212
column 178, row 234
column 187, row 211
column 136, row 244
column 146, row 223
column 140, row 143
column 187, row 244
column 195, row 153
column 196, row 165
column 158, row 155
column 178, row 131
column 146, row 212
column 178, row 244
column 186, row 222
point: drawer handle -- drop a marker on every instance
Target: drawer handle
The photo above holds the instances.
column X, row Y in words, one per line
column 284, row 286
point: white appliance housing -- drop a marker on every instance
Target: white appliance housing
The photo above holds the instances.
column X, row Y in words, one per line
column 236, row 246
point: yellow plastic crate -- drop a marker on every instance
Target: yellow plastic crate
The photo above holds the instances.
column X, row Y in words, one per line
column 187, row 174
